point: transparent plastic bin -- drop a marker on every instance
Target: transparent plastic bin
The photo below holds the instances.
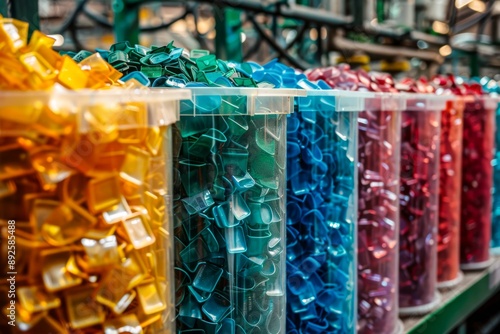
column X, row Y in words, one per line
column 419, row 200
column 378, row 214
column 322, row 212
column 477, row 182
column 495, row 232
column 450, row 188
column 85, row 210
column 229, row 210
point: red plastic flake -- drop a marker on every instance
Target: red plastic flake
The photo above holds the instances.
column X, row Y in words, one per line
column 477, row 173
column 418, row 200
column 450, row 185
column 378, row 175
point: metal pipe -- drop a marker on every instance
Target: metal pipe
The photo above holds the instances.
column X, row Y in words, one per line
column 341, row 43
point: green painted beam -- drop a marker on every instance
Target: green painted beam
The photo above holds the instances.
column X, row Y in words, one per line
column 461, row 302
column 126, row 20
column 3, row 8
column 228, row 33
column 27, row 10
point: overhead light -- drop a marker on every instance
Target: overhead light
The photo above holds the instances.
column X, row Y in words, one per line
column 462, row 3
column 440, row 27
column 59, row 39
column 445, row 50
column 478, row 6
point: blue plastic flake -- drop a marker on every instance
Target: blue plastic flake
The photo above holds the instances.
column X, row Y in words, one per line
column 320, row 212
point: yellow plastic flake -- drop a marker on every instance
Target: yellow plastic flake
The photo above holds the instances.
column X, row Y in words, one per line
column 136, row 165
column 139, row 231
column 71, row 75
column 117, row 213
column 14, row 33
column 134, row 264
column 150, row 298
column 126, row 324
column 38, row 39
column 67, row 224
column 26, row 115
column 14, row 162
column 45, row 324
column 114, row 291
column 102, row 252
column 36, row 299
column 54, row 273
column 51, row 57
column 50, row 170
column 7, row 188
column 156, row 178
column 154, row 140
column 83, row 310
column 101, row 73
column 74, row 188
column 103, row 194
column 35, row 63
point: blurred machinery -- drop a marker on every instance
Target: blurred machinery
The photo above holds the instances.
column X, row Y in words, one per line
column 461, row 36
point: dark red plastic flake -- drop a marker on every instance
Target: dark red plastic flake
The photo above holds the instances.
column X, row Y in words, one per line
column 477, row 181
column 420, row 131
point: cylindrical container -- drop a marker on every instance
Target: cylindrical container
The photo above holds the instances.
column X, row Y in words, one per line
column 450, row 189
column 229, row 210
column 322, row 212
column 85, row 210
column 419, row 199
column 378, row 214
column 495, row 232
column 477, row 182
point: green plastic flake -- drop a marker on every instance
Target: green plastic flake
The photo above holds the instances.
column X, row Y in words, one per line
column 199, row 53
column 117, row 57
column 121, row 46
column 159, row 58
column 245, row 82
column 207, row 63
column 141, row 49
column 152, row 72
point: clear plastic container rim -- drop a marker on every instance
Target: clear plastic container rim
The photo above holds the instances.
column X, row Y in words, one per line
column 345, row 101
column 260, row 101
column 426, row 102
column 245, row 91
column 90, row 96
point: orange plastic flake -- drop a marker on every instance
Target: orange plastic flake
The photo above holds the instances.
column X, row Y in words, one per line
column 14, row 33
column 125, row 324
column 139, row 231
column 66, row 224
column 83, row 310
column 50, row 170
column 38, row 39
column 36, row 299
column 150, row 298
column 14, row 162
column 35, row 63
column 103, row 194
column 7, row 188
column 113, row 291
column 71, row 75
column 55, row 275
column 136, row 165
column 101, row 252
column 154, row 140
column 117, row 213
